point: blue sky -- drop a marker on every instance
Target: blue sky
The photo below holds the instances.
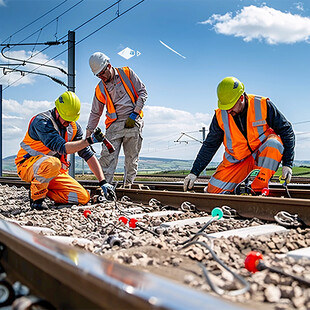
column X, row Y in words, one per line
column 263, row 43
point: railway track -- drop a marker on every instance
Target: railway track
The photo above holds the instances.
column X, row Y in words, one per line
column 120, row 263
column 172, row 194
column 73, row 279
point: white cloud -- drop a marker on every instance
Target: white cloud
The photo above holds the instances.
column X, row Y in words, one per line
column 11, row 117
column 12, row 131
column 26, row 109
column 262, row 23
column 8, row 77
column 299, row 6
column 164, row 126
column 16, row 117
column 2, row 3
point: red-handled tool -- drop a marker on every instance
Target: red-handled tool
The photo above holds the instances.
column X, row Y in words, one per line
column 109, row 145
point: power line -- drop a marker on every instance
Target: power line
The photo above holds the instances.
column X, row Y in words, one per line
column 89, row 20
column 35, row 20
column 74, row 29
column 119, row 15
column 73, row 6
column 167, row 148
column 56, row 18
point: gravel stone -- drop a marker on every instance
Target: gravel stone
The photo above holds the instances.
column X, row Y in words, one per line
column 143, row 250
column 272, row 293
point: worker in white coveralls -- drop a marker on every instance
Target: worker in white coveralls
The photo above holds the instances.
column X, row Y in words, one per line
column 123, row 95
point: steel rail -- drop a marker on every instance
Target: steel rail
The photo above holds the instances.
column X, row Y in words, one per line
column 70, row 278
column 247, row 206
column 276, row 189
column 297, row 191
column 264, row 208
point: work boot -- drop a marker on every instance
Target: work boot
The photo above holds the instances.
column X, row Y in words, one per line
column 39, row 204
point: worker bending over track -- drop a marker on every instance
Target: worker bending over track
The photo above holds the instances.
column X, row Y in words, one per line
column 42, row 158
column 123, row 95
column 255, row 134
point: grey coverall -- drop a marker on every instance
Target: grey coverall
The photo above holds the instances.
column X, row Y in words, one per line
column 116, row 133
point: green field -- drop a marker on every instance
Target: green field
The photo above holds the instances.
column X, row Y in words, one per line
column 303, row 171
column 160, row 166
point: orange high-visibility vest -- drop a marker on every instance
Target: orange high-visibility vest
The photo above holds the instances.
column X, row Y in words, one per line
column 31, row 147
column 104, row 97
column 237, row 147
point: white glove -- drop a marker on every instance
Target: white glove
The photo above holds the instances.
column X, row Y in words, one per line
column 286, row 174
column 189, row 182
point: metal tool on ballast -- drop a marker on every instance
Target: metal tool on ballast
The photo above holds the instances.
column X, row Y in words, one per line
column 284, row 184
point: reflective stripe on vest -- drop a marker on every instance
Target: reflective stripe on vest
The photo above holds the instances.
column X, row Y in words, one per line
column 124, row 74
column 33, row 147
column 236, row 145
column 104, row 97
column 259, row 121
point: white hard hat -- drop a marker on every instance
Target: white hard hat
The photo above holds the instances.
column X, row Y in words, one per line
column 98, row 62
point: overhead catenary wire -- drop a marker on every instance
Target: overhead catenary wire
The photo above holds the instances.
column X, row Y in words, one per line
column 163, row 148
column 33, row 55
column 80, row 26
column 119, row 15
column 23, row 62
column 92, row 33
column 56, row 18
column 31, row 23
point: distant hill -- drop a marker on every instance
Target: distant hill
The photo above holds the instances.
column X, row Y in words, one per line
column 8, row 163
column 146, row 164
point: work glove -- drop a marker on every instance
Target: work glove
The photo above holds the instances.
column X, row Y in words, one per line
column 189, row 182
column 96, row 136
column 108, row 190
column 286, row 174
column 130, row 122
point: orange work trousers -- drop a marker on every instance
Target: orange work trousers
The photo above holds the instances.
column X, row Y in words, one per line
column 44, row 174
column 266, row 158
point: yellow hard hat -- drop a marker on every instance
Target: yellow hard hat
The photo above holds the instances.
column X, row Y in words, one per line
column 229, row 91
column 68, row 106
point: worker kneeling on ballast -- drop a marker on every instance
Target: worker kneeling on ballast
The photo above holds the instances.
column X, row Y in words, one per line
column 255, row 134
column 42, row 158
